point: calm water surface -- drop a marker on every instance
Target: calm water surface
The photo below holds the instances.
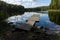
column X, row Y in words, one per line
column 44, row 20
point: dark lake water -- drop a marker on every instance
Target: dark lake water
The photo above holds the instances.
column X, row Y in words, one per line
column 45, row 20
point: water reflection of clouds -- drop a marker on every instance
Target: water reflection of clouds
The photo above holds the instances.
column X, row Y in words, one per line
column 14, row 18
column 43, row 14
column 20, row 18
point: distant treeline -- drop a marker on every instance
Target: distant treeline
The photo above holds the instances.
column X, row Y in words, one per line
column 42, row 8
column 32, row 9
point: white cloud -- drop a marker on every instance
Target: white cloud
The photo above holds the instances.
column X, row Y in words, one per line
column 25, row 3
column 27, row 0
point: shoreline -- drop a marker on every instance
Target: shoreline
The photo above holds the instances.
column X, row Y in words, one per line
column 54, row 10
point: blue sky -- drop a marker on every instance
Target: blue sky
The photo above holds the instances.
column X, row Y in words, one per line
column 29, row 3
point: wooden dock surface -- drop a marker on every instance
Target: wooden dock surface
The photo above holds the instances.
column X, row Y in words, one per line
column 30, row 22
column 33, row 19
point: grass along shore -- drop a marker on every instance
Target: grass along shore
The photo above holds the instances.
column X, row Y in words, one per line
column 54, row 10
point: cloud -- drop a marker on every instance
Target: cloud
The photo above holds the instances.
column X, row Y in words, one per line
column 25, row 3
column 31, row 4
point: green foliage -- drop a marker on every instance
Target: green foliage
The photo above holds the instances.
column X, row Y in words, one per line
column 55, row 4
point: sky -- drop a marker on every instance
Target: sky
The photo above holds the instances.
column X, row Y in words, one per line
column 29, row 3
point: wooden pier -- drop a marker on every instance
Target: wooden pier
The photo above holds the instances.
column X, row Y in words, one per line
column 30, row 22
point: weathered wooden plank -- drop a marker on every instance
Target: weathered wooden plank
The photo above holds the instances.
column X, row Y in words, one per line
column 33, row 19
column 30, row 22
column 25, row 26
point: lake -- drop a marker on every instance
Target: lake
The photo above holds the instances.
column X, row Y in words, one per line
column 44, row 20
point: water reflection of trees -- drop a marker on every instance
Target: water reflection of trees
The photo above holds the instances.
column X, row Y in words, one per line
column 54, row 17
